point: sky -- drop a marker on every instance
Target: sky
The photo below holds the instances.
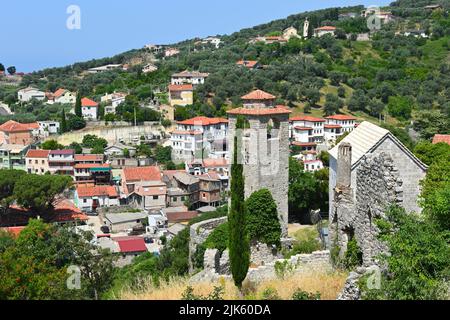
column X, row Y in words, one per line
column 34, row 34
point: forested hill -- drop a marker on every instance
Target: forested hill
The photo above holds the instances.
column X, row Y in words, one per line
column 394, row 77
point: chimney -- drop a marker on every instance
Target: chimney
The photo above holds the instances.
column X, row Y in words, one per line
column 344, row 166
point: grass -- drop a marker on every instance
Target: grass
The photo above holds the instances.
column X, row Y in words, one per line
column 329, row 285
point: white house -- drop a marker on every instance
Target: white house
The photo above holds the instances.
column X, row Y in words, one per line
column 189, row 77
column 64, row 96
column 170, row 52
column 89, row 197
column 320, row 32
column 47, row 128
column 107, row 67
column 200, row 134
column 213, row 40
column 109, row 97
column 337, row 125
column 89, row 109
column 148, row 68
column 25, row 95
column 306, row 129
column 117, row 149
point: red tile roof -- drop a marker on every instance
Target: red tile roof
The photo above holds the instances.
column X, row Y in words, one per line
column 341, row 117
column 151, row 191
column 306, row 118
column 326, row 28
column 86, row 102
column 85, row 191
column 37, row 154
column 92, row 165
column 303, row 128
column 173, row 217
column 13, row 126
column 181, row 87
column 88, row 157
column 222, row 162
column 441, row 138
column 59, row 92
column 132, row 245
column 14, row 231
column 247, row 63
column 332, row 126
column 260, row 111
column 258, row 95
column 304, row 144
column 142, row 174
column 188, row 132
column 203, row 121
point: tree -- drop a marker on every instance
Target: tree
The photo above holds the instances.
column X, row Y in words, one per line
column 11, row 70
column 400, row 107
column 262, row 218
column 312, row 96
column 38, row 193
column 238, row 237
column 8, row 179
column 358, row 101
column 2, row 67
column 163, row 154
column 92, row 141
column 75, row 146
column 332, row 104
column 51, row 145
column 75, row 122
column 63, row 121
column 126, row 153
column 430, row 153
column 78, row 111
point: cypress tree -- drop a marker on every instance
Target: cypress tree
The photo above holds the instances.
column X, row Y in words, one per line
column 78, row 111
column 238, row 238
column 63, row 122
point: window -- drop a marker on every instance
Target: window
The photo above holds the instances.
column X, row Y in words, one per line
column 84, row 200
column 174, row 199
column 155, row 197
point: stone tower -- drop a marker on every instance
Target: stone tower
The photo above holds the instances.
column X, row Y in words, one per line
column 306, row 29
column 344, row 169
column 265, row 153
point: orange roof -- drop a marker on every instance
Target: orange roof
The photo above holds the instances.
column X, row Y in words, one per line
column 142, row 174
column 84, row 191
column 59, row 92
column 303, row 128
column 222, row 162
column 306, row 118
column 32, row 125
column 247, row 63
column 13, row 126
column 332, row 126
column 258, row 95
column 14, row 231
column 341, row 117
column 88, row 157
column 181, row 87
column 203, row 121
column 37, row 154
column 91, row 165
column 441, row 138
column 188, row 132
column 85, row 102
column 304, row 144
column 326, row 28
column 151, row 191
column 260, row 111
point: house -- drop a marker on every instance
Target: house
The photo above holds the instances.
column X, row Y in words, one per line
column 5, row 110
column 250, row 64
column 433, row 7
column 36, row 161
column 109, row 97
column 337, row 125
column 89, row 197
column 257, row 39
column 12, row 132
column 274, row 39
column 170, row 52
column 91, row 167
column 89, row 109
column 416, row 33
column 149, row 68
column 181, row 95
column 320, row 32
column 179, row 214
column 214, row 41
column 47, row 128
column 129, row 248
column 258, row 98
column 369, row 139
column 304, row 146
column 182, row 188
column 12, row 156
column 154, row 48
column 347, row 15
column 383, row 16
column 441, row 138
column 189, row 77
column 143, row 187
column 313, row 165
column 210, row 189
column 289, row 33
column 25, row 95
column 117, row 150
column 64, row 96
column 105, row 68
column 62, row 162
column 306, row 129
column 199, row 167
column 200, row 135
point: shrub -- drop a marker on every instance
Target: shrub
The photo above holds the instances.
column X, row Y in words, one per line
column 353, row 255
column 270, row 294
column 303, row 295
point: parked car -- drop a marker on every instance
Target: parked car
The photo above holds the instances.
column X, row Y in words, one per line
column 105, row 229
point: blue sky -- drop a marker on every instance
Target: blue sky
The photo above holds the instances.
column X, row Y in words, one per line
column 33, row 34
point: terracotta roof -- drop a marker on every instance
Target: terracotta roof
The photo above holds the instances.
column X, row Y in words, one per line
column 86, row 102
column 222, row 162
column 258, row 95
column 32, row 125
column 59, row 92
column 151, row 191
column 13, row 126
column 142, row 174
column 85, row 191
column 14, row 231
column 88, row 157
column 341, row 117
column 303, row 128
column 247, row 63
column 181, row 87
column 37, row 154
column 260, row 111
column 181, row 216
column 92, row 165
column 189, row 74
column 326, row 28
column 210, row 176
column 189, row 132
column 441, row 138
column 332, row 126
column 132, row 245
column 304, row 144
column 306, row 118
column 203, row 121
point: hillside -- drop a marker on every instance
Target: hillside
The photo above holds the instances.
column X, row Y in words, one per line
column 392, row 77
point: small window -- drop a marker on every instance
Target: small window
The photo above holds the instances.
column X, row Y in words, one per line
column 155, row 197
